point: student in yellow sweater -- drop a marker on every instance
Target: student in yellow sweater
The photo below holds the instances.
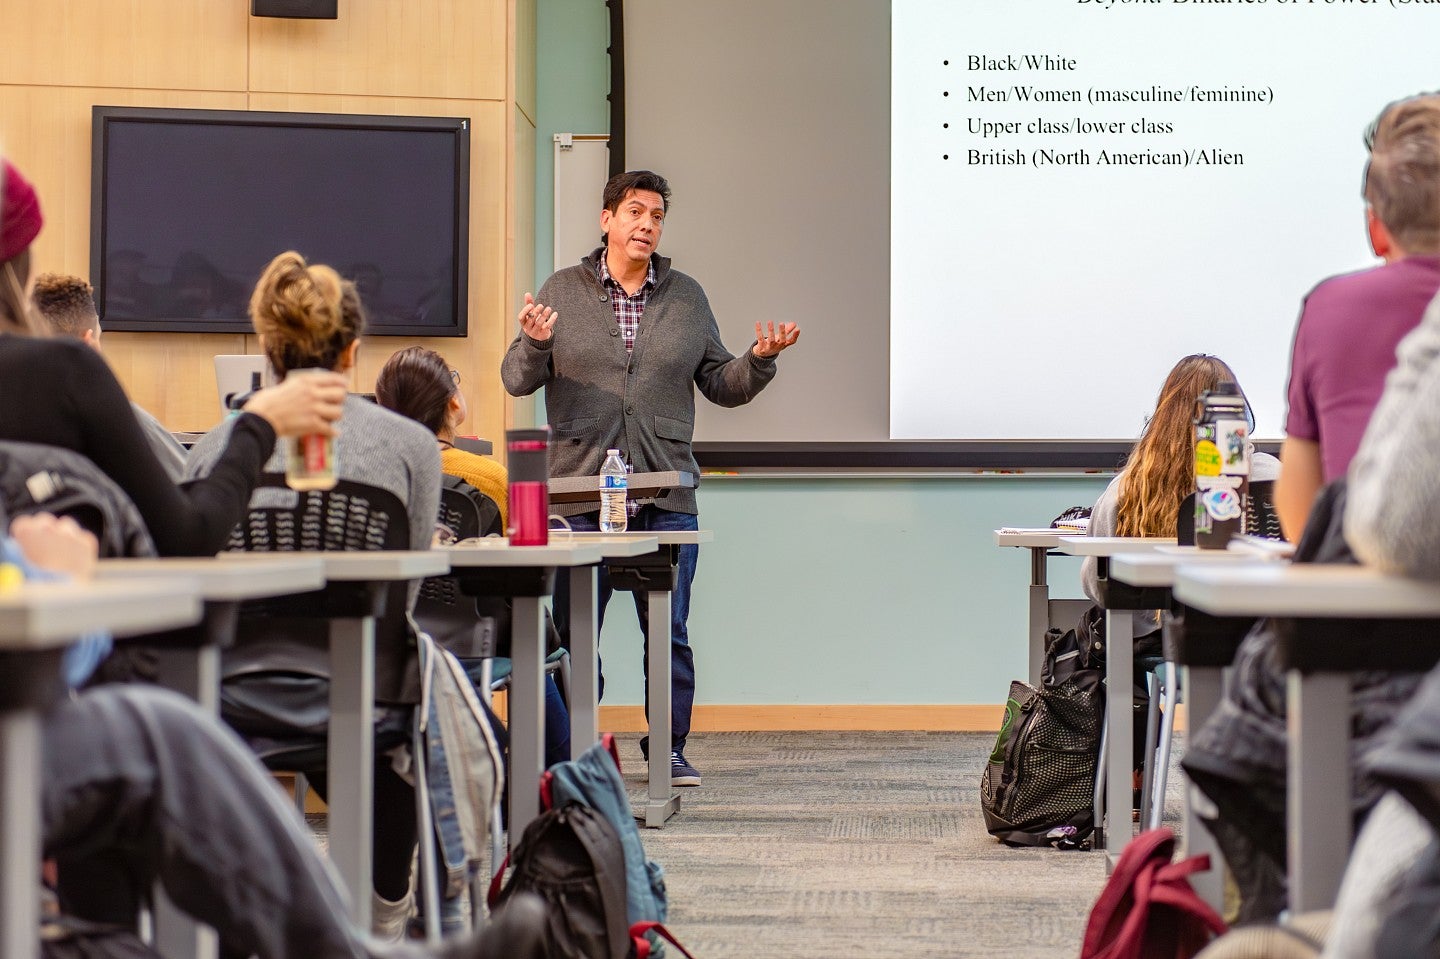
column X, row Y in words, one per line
column 418, row 383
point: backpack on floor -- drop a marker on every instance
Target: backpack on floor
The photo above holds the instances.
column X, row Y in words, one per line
column 584, row 857
column 1148, row 909
column 1038, row 787
column 571, row 858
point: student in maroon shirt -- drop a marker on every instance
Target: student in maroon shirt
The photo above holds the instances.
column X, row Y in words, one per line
column 1350, row 325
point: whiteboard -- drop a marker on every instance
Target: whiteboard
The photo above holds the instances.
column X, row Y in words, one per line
column 582, row 165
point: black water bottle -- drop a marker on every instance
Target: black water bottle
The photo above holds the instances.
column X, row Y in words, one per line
column 1222, row 466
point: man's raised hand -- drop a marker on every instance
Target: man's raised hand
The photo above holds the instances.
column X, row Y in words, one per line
column 769, row 342
column 537, row 321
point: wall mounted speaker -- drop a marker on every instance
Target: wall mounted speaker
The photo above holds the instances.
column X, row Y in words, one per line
column 296, row 9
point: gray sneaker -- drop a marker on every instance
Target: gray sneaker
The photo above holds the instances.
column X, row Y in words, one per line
column 681, row 772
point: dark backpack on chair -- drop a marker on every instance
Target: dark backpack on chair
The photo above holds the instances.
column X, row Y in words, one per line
column 35, row 478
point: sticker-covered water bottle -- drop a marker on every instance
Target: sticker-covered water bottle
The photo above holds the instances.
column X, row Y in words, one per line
column 1222, row 466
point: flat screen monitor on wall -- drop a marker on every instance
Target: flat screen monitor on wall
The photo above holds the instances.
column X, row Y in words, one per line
column 187, row 207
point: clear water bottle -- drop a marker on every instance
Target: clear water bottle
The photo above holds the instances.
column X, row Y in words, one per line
column 614, row 481
column 1222, row 466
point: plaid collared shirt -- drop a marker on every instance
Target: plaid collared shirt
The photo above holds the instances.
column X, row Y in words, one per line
column 628, row 309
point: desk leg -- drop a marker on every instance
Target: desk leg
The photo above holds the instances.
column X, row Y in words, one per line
column 527, row 712
column 193, row 673
column 662, row 801
column 1318, row 800
column 584, row 660
column 20, row 839
column 352, row 758
column 1202, row 687
column 1119, row 673
column 1039, row 612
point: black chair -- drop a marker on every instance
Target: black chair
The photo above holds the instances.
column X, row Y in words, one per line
column 275, row 688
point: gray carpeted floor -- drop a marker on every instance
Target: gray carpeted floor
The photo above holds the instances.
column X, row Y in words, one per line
column 824, row 845
column 845, row 844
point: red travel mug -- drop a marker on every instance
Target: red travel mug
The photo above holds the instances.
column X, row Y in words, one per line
column 529, row 463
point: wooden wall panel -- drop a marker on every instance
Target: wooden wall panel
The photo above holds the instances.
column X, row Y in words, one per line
column 521, row 268
column 454, row 49
column 46, row 132
column 524, row 43
column 160, row 44
column 413, row 57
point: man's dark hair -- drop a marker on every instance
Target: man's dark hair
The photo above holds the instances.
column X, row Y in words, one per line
column 67, row 302
column 622, row 183
column 1402, row 180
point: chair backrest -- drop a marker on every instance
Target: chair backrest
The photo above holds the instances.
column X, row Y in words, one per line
column 287, row 633
column 1260, row 516
column 466, row 627
column 36, row 478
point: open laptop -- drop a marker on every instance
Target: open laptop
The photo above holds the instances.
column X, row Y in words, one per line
column 235, row 375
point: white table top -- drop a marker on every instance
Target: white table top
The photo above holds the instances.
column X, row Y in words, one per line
column 1111, row 545
column 612, row 545
column 1274, row 589
column 342, row 566
column 1031, row 538
column 44, row 615
column 283, row 574
column 1157, row 567
column 495, row 552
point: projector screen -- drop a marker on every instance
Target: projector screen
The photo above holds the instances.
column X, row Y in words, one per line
column 946, row 294
column 1083, row 192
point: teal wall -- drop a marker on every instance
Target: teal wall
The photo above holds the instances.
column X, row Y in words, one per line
column 829, row 590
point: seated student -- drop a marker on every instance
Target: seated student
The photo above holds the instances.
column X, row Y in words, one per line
column 60, row 393
column 418, row 383
column 1350, row 325
column 1389, row 902
column 307, row 317
column 138, row 777
column 1144, row 497
column 67, row 303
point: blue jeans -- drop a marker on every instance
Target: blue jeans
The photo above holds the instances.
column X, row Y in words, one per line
column 682, row 660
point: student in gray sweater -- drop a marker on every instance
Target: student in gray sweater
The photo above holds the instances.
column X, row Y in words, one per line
column 620, row 342
column 308, row 317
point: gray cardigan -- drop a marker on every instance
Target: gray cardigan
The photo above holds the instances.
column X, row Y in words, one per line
column 598, row 397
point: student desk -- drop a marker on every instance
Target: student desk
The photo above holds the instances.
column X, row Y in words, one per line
column 1202, row 675
column 1120, row 602
column 1044, row 612
column 351, row 737
column 1318, row 693
column 526, row 575
column 189, row 663
column 190, row 658
column 36, row 622
column 652, row 573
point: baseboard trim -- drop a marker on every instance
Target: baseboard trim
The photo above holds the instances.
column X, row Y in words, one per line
column 737, row 718
column 969, row 718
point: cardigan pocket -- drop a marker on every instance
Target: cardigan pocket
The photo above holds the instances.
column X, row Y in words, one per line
column 575, row 428
column 670, row 428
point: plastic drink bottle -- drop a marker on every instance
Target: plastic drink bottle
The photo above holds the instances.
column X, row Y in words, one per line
column 310, row 459
column 1222, row 466
column 614, row 482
